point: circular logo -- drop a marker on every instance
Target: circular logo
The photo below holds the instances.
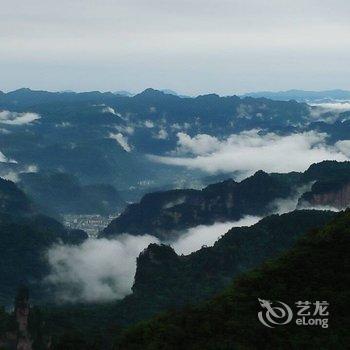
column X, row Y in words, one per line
column 274, row 313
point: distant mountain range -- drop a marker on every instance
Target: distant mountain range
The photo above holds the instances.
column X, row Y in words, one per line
column 303, row 95
column 104, row 138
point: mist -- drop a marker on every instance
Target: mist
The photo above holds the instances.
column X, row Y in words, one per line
column 96, row 270
column 249, row 152
column 15, row 118
column 196, row 237
column 103, row 269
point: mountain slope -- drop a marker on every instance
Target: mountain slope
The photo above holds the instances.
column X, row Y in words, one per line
column 25, row 235
column 316, row 269
column 165, row 280
column 12, row 200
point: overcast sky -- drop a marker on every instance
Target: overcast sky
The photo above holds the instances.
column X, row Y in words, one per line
column 192, row 46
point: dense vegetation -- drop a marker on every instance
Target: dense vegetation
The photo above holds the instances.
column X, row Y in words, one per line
column 166, row 281
column 316, row 269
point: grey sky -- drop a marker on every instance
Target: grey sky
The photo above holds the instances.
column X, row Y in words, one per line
column 192, row 46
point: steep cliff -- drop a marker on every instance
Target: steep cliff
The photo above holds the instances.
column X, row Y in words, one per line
column 327, row 194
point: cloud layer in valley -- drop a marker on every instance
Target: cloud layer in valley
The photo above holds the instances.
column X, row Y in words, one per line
column 96, row 270
column 15, row 118
column 194, row 238
column 250, row 151
column 4, row 159
column 102, row 269
column 122, row 140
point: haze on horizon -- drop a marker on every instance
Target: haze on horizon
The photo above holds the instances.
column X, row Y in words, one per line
column 192, row 46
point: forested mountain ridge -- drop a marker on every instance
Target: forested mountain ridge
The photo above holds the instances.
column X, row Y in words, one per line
column 165, row 280
column 320, row 259
column 164, row 213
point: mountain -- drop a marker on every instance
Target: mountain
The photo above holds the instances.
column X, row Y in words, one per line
column 164, row 214
column 302, row 95
column 23, row 243
column 25, row 97
column 12, row 200
column 62, row 193
column 25, row 235
column 164, row 280
column 316, row 269
column 107, row 138
column 179, row 280
column 332, row 188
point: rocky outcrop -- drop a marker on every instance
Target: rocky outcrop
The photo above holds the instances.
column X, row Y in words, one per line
column 165, row 214
column 22, row 309
column 327, row 196
column 17, row 336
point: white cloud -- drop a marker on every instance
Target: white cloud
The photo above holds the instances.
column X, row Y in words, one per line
column 96, row 270
column 149, row 124
column 338, row 106
column 4, row 159
column 162, row 135
column 200, row 144
column 15, row 118
column 125, row 129
column 110, row 110
column 102, row 269
column 13, row 175
column 344, row 147
column 318, row 207
column 329, row 111
column 63, row 125
column 194, row 238
column 248, row 152
column 286, row 205
column 122, row 140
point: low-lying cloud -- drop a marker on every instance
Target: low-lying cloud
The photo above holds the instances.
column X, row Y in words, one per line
column 122, row 140
column 250, row 151
column 329, row 112
column 102, row 269
column 13, row 175
column 4, row 159
column 194, row 238
column 15, row 118
column 96, row 270
column 338, row 106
